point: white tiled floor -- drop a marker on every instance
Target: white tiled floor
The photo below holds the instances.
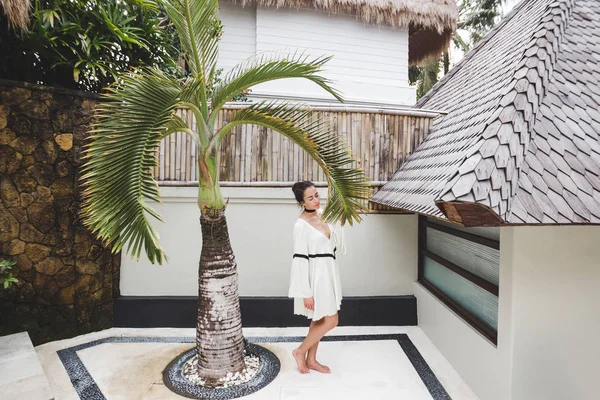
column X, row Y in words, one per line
column 21, row 376
column 361, row 369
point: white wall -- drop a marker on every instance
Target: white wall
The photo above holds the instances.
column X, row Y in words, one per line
column 476, row 360
column 370, row 64
column 556, row 313
column 381, row 257
column 548, row 319
column 238, row 42
column 484, row 366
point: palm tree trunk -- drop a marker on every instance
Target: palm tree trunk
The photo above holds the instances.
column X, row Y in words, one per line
column 219, row 337
column 446, row 61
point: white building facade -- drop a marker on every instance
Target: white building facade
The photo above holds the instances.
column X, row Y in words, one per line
column 548, row 320
column 369, row 64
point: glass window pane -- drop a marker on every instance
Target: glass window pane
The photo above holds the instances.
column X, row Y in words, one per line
column 479, row 302
column 481, row 260
column 490, row 233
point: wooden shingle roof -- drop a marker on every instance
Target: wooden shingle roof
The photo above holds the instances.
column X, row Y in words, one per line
column 521, row 140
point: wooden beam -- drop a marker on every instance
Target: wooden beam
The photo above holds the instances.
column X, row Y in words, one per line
column 469, row 214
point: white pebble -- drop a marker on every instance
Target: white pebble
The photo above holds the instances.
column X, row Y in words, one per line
column 190, row 372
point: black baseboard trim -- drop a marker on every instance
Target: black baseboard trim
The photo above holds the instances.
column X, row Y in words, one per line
column 263, row 312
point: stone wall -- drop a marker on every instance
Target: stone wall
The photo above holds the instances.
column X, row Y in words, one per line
column 67, row 279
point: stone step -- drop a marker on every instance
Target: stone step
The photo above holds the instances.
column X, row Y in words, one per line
column 21, row 374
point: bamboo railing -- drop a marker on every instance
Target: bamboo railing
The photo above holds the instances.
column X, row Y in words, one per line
column 254, row 156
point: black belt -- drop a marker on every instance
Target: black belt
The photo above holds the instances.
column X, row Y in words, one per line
column 321, row 255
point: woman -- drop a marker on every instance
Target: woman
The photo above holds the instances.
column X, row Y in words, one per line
column 315, row 280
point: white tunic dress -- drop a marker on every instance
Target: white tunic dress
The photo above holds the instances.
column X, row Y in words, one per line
column 314, row 270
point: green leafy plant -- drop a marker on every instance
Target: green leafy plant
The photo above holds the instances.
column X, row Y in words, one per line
column 240, row 97
column 425, row 75
column 85, row 44
column 476, row 18
column 6, row 276
column 139, row 111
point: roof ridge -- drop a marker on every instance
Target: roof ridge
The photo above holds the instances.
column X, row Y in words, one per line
column 471, row 53
column 493, row 165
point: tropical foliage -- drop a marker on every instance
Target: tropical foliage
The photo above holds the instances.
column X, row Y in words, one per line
column 6, row 276
column 425, row 75
column 476, row 18
column 139, row 111
column 85, row 44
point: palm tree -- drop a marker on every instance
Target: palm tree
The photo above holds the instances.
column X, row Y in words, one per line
column 476, row 17
column 139, row 111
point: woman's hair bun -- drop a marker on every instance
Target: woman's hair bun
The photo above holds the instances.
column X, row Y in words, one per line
column 299, row 188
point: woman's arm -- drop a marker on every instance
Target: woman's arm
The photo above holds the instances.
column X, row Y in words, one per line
column 300, row 285
column 339, row 238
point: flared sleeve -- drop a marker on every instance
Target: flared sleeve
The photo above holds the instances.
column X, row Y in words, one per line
column 300, row 278
column 339, row 239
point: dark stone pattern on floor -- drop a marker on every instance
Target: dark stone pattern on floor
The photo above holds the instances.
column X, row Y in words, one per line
column 429, row 379
column 81, row 379
column 432, row 383
column 67, row 279
column 174, row 380
column 88, row 390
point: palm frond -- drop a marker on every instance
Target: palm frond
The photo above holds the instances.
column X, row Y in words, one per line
column 198, row 25
column 270, row 67
column 117, row 173
column 348, row 185
column 191, row 88
column 460, row 43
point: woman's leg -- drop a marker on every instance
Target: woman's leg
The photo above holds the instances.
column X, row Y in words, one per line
column 311, row 357
column 312, row 363
column 317, row 330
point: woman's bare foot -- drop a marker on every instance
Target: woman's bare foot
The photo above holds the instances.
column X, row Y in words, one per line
column 314, row 364
column 299, row 357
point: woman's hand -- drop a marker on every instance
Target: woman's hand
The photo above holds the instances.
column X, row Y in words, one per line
column 309, row 303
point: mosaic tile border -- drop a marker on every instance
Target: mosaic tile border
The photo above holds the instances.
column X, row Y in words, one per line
column 174, row 380
column 87, row 389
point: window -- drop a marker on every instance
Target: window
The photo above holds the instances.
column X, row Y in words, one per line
column 460, row 266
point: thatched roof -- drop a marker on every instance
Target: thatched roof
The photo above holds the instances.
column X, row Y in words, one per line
column 520, row 143
column 431, row 23
column 17, row 12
